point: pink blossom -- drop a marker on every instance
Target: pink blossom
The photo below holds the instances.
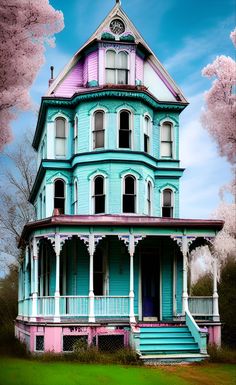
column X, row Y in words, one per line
column 219, row 116
column 25, row 26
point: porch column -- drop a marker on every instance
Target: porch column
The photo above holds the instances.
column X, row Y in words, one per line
column 57, row 286
column 35, row 281
column 185, row 274
column 91, row 292
column 216, row 316
column 131, row 288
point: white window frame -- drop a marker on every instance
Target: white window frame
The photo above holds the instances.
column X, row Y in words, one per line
column 65, row 192
column 93, row 193
column 149, row 181
column 75, row 137
column 135, row 195
column 116, row 69
column 131, row 127
column 148, row 133
column 163, row 141
column 66, row 135
column 75, row 195
column 172, row 201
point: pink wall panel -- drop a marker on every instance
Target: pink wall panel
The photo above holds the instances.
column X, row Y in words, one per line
column 139, row 68
column 71, row 82
column 93, row 66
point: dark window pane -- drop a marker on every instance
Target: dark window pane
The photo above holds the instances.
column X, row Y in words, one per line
column 59, row 189
column 98, row 188
column 129, row 185
column 124, row 139
column 129, row 203
column 98, row 261
column 99, row 204
column 124, row 120
column 167, row 212
column 146, row 143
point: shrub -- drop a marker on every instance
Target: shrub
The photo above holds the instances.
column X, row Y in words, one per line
column 222, row 355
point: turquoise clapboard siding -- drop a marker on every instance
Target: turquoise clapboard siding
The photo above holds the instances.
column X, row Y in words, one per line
column 167, row 282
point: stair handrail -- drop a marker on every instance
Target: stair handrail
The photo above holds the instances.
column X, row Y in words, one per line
column 199, row 335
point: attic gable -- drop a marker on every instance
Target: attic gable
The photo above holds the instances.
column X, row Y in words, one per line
column 117, row 28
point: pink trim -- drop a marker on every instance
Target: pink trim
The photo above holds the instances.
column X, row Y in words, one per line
column 139, row 68
column 214, row 335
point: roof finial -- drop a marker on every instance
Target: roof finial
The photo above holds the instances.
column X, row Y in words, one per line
column 118, row 2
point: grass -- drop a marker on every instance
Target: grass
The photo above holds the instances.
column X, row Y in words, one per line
column 15, row 371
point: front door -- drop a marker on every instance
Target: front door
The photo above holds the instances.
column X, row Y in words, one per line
column 150, row 286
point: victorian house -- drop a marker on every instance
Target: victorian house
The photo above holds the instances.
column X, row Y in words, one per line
column 106, row 260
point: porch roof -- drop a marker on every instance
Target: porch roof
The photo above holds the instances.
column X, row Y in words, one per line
column 121, row 221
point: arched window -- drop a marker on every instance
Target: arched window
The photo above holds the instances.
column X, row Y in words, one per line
column 59, row 195
column 167, row 203
column 146, row 134
column 116, row 67
column 149, row 198
column 129, row 194
column 75, row 197
column 76, row 135
column 99, row 195
column 166, row 140
column 98, row 130
column 60, row 145
column 125, row 129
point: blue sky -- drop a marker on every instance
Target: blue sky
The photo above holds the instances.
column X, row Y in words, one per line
column 185, row 35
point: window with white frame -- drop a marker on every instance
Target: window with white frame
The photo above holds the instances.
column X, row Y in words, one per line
column 117, row 69
column 167, row 203
column 166, row 140
column 60, row 137
column 129, row 194
column 99, row 195
column 146, row 132
column 59, row 195
column 125, row 130
column 98, row 129
column 76, row 135
column 75, row 204
column 149, row 198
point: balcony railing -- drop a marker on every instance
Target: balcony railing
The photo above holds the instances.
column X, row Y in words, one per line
column 45, row 306
column 74, row 306
column 201, row 306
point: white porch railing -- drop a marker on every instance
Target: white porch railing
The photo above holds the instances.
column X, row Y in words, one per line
column 105, row 306
column 71, row 305
column 201, row 306
column 25, row 307
column 46, row 306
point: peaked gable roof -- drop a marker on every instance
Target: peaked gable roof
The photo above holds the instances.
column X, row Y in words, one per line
column 117, row 11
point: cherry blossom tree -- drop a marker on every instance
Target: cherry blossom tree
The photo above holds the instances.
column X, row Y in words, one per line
column 25, row 27
column 220, row 112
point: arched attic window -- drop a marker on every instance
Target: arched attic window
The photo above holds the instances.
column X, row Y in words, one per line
column 116, row 67
column 149, row 198
column 99, row 195
column 125, row 131
column 167, row 203
column 166, row 140
column 98, row 129
column 129, row 194
column 60, row 137
column 59, row 195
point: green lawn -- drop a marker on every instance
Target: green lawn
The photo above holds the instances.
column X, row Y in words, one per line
column 30, row 372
